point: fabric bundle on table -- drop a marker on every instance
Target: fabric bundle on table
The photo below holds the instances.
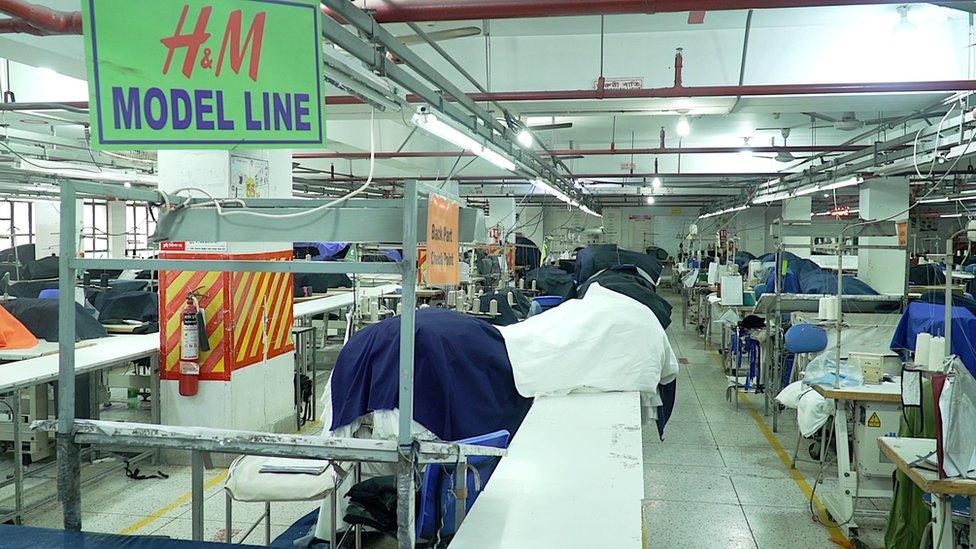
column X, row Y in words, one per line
column 463, row 382
column 40, row 316
column 13, row 334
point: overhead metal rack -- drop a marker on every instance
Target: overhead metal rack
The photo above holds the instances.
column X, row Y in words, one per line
column 178, row 219
column 376, row 47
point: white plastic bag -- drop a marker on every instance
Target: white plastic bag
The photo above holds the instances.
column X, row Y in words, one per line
column 823, row 371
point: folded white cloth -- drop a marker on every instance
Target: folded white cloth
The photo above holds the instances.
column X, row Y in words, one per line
column 603, row 342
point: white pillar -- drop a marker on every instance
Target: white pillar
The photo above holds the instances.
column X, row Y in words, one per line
column 883, row 270
column 797, row 209
column 259, row 396
column 116, row 229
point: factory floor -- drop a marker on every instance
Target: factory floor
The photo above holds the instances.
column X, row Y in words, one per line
column 718, row 480
column 721, row 477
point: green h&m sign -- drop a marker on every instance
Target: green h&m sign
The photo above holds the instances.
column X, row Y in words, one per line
column 205, row 74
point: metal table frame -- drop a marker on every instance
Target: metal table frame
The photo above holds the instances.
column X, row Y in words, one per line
column 365, row 220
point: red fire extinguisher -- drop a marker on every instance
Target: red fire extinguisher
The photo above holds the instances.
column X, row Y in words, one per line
column 190, row 348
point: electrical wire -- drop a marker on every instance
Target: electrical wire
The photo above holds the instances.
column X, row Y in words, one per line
column 223, row 213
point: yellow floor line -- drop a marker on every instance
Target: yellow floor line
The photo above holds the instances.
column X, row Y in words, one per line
column 182, row 500
column 185, row 498
column 835, row 534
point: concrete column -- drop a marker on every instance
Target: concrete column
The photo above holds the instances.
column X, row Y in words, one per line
column 116, row 228
column 259, row 396
column 797, row 209
column 883, row 270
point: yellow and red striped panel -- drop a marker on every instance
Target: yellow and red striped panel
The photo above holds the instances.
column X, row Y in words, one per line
column 212, row 286
column 262, row 307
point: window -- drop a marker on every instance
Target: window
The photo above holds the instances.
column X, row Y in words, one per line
column 94, row 231
column 17, row 224
column 140, row 222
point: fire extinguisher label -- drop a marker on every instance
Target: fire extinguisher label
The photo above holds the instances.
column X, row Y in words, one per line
column 189, row 368
column 190, row 344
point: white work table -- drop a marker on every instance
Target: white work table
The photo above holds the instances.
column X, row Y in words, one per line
column 98, row 354
column 333, row 302
column 573, row 477
column 904, row 452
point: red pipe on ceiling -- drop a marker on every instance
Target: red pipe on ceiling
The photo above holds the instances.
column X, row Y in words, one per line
column 401, row 11
column 753, row 90
column 43, row 19
column 594, row 152
column 49, row 21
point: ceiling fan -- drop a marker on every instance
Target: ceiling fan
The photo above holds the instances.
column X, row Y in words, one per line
column 436, row 36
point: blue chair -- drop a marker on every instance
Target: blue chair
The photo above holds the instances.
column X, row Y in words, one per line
column 436, row 508
column 52, row 293
column 759, row 290
column 803, row 340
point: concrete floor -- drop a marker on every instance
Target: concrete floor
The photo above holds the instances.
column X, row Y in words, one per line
column 716, row 481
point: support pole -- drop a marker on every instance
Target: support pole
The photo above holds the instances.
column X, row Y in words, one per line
column 69, row 458
column 196, row 495
column 948, row 297
column 406, row 534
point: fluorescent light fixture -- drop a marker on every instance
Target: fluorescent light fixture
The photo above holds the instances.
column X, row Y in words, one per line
column 745, row 153
column 934, row 200
column 545, row 187
column 431, row 124
column 650, row 200
column 683, row 128
column 850, row 182
column 947, row 216
column 725, row 211
column 771, row 197
column 807, row 190
column 525, row 139
column 656, row 183
column 588, row 211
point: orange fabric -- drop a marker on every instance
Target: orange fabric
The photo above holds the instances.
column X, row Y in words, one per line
column 13, row 334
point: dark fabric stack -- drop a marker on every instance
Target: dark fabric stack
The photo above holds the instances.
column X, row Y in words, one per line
column 40, row 316
column 552, row 281
column 463, row 380
column 627, row 281
column 117, row 306
column 926, row 275
column 593, row 259
column 527, row 254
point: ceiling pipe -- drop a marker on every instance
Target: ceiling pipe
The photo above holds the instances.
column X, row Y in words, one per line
column 402, row 11
column 592, row 152
column 750, row 90
column 43, row 19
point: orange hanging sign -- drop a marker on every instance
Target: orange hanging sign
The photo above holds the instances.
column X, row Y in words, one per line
column 443, row 247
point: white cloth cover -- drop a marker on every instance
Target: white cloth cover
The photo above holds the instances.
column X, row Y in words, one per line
column 246, row 482
column 812, row 409
column 603, row 342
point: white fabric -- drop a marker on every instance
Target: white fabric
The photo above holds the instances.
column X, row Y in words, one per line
column 812, row 409
column 246, row 482
column 603, row 342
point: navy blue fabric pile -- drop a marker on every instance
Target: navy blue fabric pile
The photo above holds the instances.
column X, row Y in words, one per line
column 463, row 381
column 806, row 277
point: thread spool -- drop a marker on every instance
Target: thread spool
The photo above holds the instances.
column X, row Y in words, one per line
column 936, row 353
column 511, row 298
column 923, row 342
column 452, row 299
column 399, row 309
column 533, row 286
column 493, row 307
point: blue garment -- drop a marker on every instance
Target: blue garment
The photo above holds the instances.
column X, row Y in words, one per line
column 927, row 317
column 463, row 380
column 327, row 251
column 803, row 276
